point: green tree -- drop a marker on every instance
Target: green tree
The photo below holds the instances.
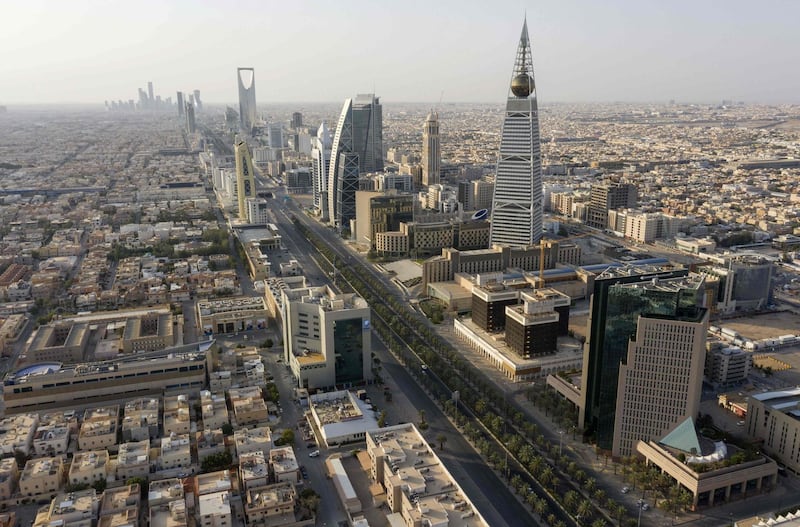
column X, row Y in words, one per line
column 216, row 461
column 441, row 439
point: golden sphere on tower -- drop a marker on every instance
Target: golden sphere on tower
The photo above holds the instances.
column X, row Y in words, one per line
column 522, row 85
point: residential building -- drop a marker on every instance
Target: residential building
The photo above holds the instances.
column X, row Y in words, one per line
column 176, row 415
column 99, row 428
column 9, row 475
column 89, row 467
column 283, row 465
column 609, row 196
column 175, row 452
column 41, row 476
column 270, row 504
column 253, row 469
column 17, row 433
column 140, row 419
column 214, row 510
column 247, row 440
column 133, row 460
column 248, row 406
column 214, row 410
column 74, row 509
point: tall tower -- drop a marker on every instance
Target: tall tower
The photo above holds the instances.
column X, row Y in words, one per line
column 247, row 98
column 654, row 300
column 181, row 104
column 517, row 202
column 431, row 152
column 191, row 125
column 198, row 104
column 320, row 161
column 245, row 178
column 359, row 132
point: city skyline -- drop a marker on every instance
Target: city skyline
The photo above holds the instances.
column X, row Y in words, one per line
column 617, row 51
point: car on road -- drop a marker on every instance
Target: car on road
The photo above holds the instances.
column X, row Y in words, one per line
column 625, row 490
column 645, row 506
column 315, row 453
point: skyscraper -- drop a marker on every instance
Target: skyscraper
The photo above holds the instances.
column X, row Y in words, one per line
column 320, row 160
column 623, row 300
column 517, row 203
column 150, row 97
column 431, row 152
column 198, row 104
column 297, row 120
column 245, row 178
column 246, row 78
column 191, row 126
column 359, row 132
column 181, row 104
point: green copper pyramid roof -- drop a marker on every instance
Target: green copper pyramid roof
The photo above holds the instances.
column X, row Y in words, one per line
column 684, row 438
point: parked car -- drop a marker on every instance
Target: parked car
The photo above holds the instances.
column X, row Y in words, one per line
column 314, row 454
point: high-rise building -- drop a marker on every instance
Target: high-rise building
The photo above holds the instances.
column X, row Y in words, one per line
column 320, row 161
column 517, row 202
column 359, row 132
column 151, row 98
column 275, row 131
column 346, row 188
column 198, row 104
column 181, row 104
column 606, row 197
column 431, row 151
column 245, row 178
column 661, row 375
column 297, row 120
column 659, row 301
column 246, row 78
column 191, row 126
column 326, row 336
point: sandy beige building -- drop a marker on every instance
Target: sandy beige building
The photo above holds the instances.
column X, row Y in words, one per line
column 76, row 509
column 42, row 476
column 270, row 504
column 9, row 474
column 248, row 440
column 133, row 460
column 99, row 428
column 89, row 467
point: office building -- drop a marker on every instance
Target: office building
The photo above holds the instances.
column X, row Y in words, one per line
column 359, row 133
column 181, row 103
column 245, row 178
column 517, row 202
column 297, row 120
column 151, row 98
column 198, row 104
column 347, row 184
column 624, row 300
column 326, row 337
column 246, row 78
column 661, row 376
column 431, row 150
column 772, row 417
column 606, row 197
column 275, row 133
column 191, row 125
column 381, row 212
column 320, row 161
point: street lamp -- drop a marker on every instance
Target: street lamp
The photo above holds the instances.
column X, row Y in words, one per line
column 560, row 441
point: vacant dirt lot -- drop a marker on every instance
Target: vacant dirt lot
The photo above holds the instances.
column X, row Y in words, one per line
column 764, row 326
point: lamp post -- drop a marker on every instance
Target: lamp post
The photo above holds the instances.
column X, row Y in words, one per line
column 560, row 441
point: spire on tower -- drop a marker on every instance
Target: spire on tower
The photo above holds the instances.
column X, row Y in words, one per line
column 522, row 84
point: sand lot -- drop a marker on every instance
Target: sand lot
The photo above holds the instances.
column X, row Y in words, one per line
column 765, row 326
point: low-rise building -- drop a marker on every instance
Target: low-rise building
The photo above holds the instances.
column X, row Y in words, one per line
column 75, row 509
column 283, row 465
column 248, row 440
column 176, row 415
column 133, row 460
column 271, row 505
column 229, row 315
column 127, row 497
column 713, row 473
column 248, row 406
column 99, row 428
column 52, row 436
column 727, row 365
column 214, row 510
column 175, row 452
column 209, row 442
column 171, row 514
column 253, row 470
column 9, row 474
column 417, row 485
column 214, row 410
column 17, row 433
column 772, row 417
column 163, row 491
column 42, row 475
column 212, row 482
column 89, row 467
column 140, row 419
column 341, row 417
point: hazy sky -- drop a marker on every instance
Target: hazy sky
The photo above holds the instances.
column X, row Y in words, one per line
column 411, row 50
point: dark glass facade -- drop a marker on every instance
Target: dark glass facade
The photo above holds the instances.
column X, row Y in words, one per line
column 348, row 350
column 616, row 305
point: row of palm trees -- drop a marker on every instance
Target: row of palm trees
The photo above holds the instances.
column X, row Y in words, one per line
column 414, row 342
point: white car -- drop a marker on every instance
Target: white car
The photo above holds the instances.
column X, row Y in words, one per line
column 625, row 490
column 314, row 454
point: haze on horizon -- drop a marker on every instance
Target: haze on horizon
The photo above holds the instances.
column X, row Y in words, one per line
column 90, row 51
